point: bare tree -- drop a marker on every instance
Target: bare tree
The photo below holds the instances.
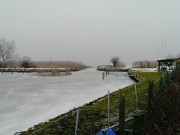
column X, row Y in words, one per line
column 115, row 61
column 7, row 49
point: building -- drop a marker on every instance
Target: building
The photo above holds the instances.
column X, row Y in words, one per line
column 169, row 63
column 177, row 63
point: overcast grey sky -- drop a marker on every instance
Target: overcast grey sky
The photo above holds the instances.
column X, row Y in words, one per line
column 92, row 31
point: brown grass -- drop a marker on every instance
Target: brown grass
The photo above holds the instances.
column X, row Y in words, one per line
column 60, row 64
column 51, row 64
column 121, row 64
column 144, row 64
column 53, row 72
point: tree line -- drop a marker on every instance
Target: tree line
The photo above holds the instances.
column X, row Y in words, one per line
column 9, row 58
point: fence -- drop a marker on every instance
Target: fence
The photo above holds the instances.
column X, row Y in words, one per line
column 130, row 125
column 93, row 116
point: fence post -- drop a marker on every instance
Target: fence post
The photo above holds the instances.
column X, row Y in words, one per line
column 167, row 77
column 77, row 121
column 121, row 114
column 137, row 105
column 150, row 95
column 163, row 79
column 108, row 111
column 161, row 82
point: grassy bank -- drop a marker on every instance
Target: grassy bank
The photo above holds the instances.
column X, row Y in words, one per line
column 93, row 116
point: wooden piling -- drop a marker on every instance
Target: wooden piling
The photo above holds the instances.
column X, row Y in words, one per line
column 150, row 95
column 121, row 114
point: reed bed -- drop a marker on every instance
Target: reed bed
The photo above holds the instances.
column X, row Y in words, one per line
column 60, row 64
column 145, row 64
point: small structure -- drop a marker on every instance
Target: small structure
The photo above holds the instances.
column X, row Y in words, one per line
column 169, row 63
column 177, row 63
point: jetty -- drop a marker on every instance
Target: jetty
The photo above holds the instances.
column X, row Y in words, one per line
column 116, row 69
column 29, row 70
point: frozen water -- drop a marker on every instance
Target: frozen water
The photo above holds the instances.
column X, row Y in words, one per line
column 26, row 100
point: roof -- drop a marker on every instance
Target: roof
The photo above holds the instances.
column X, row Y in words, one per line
column 169, row 60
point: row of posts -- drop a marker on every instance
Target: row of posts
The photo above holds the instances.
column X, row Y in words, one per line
column 122, row 104
column 121, row 112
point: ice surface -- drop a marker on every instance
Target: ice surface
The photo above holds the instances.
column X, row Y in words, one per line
column 26, row 100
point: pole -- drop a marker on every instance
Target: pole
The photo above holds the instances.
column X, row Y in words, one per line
column 162, row 46
column 77, row 121
column 103, row 75
column 163, row 79
column 150, row 95
column 108, row 111
column 121, row 114
column 137, row 106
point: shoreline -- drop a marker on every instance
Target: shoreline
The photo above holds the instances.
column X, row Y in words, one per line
column 81, row 107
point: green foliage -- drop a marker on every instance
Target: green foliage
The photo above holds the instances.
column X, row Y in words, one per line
column 164, row 119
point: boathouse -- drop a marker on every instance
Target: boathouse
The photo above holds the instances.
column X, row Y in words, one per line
column 169, row 63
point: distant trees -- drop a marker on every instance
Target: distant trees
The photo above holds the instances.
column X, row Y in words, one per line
column 27, row 63
column 115, row 61
column 7, row 51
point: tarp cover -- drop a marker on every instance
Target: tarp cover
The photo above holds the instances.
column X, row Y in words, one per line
column 108, row 132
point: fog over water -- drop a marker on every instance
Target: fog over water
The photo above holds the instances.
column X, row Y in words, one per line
column 26, row 100
column 92, row 31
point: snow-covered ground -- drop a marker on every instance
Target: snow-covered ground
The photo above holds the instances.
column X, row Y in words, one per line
column 26, row 100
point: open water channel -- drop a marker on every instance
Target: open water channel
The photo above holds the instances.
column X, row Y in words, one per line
column 26, row 100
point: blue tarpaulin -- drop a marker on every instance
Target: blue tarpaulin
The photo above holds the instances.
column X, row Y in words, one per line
column 107, row 132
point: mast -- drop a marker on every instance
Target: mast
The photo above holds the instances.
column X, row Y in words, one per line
column 162, row 46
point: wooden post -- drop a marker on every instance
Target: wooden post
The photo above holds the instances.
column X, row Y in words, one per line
column 161, row 82
column 159, row 64
column 137, row 105
column 121, row 114
column 150, row 95
column 163, row 79
column 167, row 77
column 103, row 75
column 108, row 111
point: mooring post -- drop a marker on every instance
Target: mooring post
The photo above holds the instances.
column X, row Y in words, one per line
column 108, row 111
column 121, row 114
column 77, row 121
column 137, row 105
column 103, row 75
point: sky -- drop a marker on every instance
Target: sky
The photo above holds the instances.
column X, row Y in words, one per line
column 92, row 31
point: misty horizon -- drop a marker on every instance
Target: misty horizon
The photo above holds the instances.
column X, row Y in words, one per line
column 92, row 32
